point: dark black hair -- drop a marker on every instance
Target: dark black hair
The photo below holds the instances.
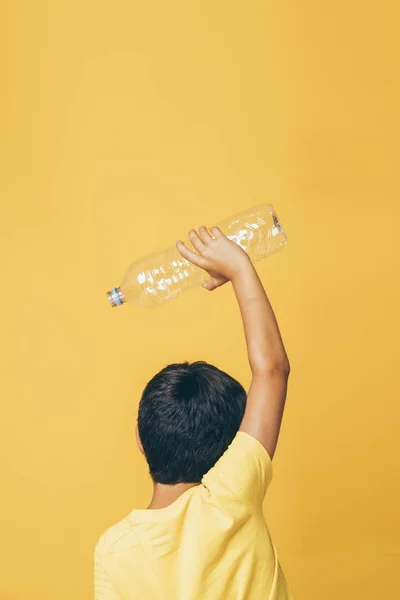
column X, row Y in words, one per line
column 188, row 416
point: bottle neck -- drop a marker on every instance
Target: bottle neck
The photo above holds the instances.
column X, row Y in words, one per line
column 116, row 297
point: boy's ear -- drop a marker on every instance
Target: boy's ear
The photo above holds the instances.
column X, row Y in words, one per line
column 138, row 440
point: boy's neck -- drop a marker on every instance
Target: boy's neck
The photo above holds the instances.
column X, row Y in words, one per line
column 164, row 495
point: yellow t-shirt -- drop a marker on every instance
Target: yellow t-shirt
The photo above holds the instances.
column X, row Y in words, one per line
column 212, row 543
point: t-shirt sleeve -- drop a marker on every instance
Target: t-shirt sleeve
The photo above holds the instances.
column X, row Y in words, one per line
column 103, row 587
column 243, row 472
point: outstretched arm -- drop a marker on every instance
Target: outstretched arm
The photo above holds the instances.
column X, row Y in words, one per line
column 268, row 361
column 226, row 261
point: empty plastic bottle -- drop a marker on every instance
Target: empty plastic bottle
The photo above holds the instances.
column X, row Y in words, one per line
column 162, row 276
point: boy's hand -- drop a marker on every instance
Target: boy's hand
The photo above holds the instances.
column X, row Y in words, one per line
column 216, row 254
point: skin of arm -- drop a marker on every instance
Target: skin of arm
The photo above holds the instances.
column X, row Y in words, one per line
column 226, row 261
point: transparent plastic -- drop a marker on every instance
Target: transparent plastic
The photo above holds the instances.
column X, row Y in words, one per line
column 160, row 277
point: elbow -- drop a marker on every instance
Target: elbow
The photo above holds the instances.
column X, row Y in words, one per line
column 280, row 367
column 287, row 367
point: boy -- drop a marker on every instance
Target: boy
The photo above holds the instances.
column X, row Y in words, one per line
column 209, row 450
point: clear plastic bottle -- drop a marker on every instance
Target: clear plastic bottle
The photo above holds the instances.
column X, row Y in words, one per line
column 162, row 276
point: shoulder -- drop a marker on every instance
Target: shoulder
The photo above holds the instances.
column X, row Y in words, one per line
column 115, row 537
column 244, row 442
column 243, row 472
column 244, row 449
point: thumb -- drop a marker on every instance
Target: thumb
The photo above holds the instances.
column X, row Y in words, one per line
column 209, row 285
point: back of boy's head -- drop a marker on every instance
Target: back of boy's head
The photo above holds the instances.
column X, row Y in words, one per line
column 188, row 416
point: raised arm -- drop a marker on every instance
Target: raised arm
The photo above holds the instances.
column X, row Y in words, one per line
column 226, row 261
column 268, row 361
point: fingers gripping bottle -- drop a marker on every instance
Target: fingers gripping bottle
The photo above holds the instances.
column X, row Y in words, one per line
column 160, row 277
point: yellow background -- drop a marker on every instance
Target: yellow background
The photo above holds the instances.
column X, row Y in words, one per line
column 124, row 123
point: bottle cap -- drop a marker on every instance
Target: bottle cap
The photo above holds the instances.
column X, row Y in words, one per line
column 115, row 297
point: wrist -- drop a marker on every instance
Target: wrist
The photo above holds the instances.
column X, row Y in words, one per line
column 245, row 268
